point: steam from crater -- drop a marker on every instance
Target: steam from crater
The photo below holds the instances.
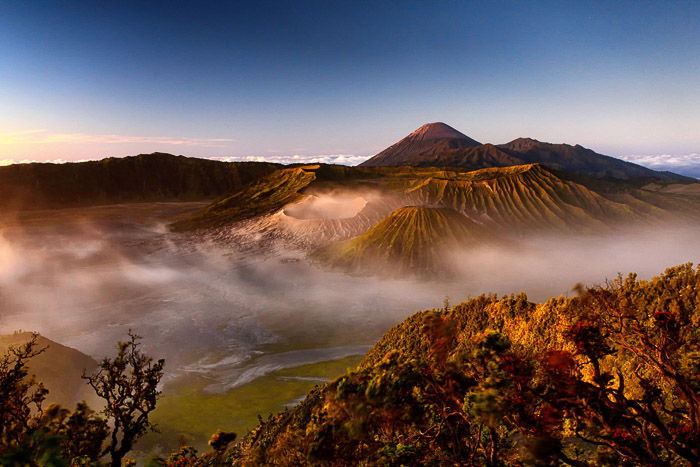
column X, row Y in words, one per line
column 342, row 205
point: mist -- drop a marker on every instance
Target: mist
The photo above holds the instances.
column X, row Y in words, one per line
column 550, row 265
column 201, row 306
column 231, row 318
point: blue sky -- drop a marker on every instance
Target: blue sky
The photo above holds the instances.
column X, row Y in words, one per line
column 273, row 79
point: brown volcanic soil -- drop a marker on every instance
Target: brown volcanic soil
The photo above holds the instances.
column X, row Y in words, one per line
column 428, row 136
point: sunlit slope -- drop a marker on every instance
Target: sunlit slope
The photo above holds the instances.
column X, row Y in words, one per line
column 529, row 198
column 146, row 177
column 266, row 195
column 490, row 366
column 411, row 240
column 59, row 368
column 517, row 200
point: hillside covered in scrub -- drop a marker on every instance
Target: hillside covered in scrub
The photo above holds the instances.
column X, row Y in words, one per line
column 609, row 377
column 58, row 368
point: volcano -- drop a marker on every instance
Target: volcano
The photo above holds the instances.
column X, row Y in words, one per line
column 412, row 240
column 427, row 140
column 440, row 145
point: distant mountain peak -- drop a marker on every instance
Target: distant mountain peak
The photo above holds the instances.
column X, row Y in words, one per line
column 523, row 144
column 439, row 145
column 437, row 130
column 422, row 143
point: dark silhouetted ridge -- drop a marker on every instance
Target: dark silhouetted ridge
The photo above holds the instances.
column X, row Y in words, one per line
column 146, row 177
column 579, row 160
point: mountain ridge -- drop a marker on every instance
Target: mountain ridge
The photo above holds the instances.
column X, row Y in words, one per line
column 59, row 368
column 442, row 151
column 263, row 196
column 517, row 200
column 145, row 177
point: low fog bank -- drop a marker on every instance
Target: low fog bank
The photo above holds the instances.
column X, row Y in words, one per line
column 548, row 266
column 204, row 308
column 212, row 312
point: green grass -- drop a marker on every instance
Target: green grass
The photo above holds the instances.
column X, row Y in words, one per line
column 186, row 413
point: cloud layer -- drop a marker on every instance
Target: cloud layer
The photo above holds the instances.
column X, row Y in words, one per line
column 78, row 147
column 684, row 164
column 342, row 159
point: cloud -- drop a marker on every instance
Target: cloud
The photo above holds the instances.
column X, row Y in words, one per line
column 684, row 164
column 342, row 159
column 44, row 136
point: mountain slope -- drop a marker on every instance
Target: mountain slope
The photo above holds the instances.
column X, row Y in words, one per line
column 59, row 368
column 146, row 177
column 511, row 201
column 501, row 381
column 443, row 146
column 473, row 158
column 523, row 199
column 411, row 240
column 577, row 159
column 430, row 139
column 266, row 195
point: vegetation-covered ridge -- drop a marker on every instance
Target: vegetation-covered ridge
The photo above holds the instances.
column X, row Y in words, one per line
column 146, row 177
column 412, row 239
column 58, row 368
column 609, row 377
column 531, row 197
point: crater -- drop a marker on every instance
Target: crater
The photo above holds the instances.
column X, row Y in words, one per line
column 327, row 206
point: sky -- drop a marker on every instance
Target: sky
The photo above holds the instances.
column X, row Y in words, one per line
column 339, row 81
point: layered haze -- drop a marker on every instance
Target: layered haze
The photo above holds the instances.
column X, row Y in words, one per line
column 231, row 309
column 213, row 310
